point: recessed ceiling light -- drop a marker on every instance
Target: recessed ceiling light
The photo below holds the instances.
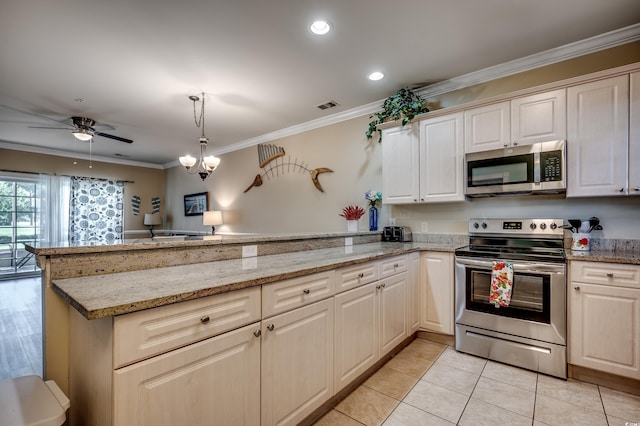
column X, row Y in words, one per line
column 375, row 76
column 320, row 27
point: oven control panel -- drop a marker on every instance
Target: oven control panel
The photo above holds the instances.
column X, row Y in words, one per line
column 542, row 227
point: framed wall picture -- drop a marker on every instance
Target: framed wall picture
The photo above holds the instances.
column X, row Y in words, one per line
column 196, row 204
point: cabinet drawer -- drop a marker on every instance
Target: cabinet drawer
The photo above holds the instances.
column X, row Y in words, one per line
column 620, row 275
column 140, row 335
column 290, row 294
column 392, row 266
column 354, row 276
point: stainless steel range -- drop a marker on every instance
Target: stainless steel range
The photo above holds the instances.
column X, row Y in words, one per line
column 531, row 331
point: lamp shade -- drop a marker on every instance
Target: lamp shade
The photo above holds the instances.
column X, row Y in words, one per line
column 152, row 219
column 212, row 218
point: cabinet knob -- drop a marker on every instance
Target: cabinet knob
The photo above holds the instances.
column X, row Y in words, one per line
column 306, row 291
column 204, row 319
column 620, row 189
column 383, row 285
column 271, row 327
column 421, row 199
column 505, row 145
column 637, row 188
column 361, row 275
column 415, row 200
column 378, row 287
column 577, row 288
column 257, row 333
column 515, row 143
column 609, row 274
column 395, row 265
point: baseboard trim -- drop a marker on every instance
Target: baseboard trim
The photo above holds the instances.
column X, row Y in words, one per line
column 445, row 339
column 611, row 381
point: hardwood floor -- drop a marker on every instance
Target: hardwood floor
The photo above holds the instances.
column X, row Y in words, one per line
column 20, row 327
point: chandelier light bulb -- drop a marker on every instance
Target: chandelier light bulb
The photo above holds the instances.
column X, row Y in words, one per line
column 188, row 161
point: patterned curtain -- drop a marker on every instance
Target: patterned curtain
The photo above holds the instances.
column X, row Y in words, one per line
column 96, row 210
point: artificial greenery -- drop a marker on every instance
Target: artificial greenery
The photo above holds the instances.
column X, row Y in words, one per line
column 404, row 104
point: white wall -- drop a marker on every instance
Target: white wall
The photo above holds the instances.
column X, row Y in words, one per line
column 288, row 203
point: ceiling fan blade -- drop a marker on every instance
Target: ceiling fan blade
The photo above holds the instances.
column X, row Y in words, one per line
column 52, row 128
column 117, row 138
column 66, row 122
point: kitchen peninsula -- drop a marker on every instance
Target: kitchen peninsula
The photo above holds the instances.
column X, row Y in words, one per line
column 108, row 285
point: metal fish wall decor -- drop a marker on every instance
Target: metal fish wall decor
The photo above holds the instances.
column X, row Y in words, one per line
column 271, row 160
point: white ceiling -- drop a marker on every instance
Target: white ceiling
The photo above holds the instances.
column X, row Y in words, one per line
column 136, row 62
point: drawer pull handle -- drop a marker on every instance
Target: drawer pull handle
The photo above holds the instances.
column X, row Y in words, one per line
column 306, row 291
column 204, row 319
column 620, row 189
column 271, row 327
column 257, row 333
column 609, row 275
column 577, row 288
column 395, row 265
column 361, row 275
column 383, row 285
column 378, row 287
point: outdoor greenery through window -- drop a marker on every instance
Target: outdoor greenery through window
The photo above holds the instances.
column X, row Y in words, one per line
column 19, row 224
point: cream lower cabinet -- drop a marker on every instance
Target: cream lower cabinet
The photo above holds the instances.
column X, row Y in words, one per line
column 215, row 381
column 604, row 317
column 297, row 363
column 437, row 283
column 371, row 320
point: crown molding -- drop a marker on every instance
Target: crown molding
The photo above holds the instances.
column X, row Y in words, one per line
column 76, row 155
column 568, row 51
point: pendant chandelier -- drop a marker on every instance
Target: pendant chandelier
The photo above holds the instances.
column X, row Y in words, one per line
column 206, row 164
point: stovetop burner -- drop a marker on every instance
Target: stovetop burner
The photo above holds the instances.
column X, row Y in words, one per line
column 517, row 239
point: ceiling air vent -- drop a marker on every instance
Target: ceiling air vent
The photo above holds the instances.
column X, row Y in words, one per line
column 328, row 105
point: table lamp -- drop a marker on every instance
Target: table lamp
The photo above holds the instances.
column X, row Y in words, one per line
column 213, row 218
column 152, row 219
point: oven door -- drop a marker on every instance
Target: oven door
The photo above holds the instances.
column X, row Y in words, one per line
column 538, row 300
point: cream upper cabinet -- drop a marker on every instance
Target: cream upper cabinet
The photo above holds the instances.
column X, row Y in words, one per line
column 597, row 143
column 539, row 118
column 604, row 317
column 296, row 345
column 442, row 159
column 634, row 136
column 521, row 121
column 487, row 127
column 436, row 276
column 400, row 165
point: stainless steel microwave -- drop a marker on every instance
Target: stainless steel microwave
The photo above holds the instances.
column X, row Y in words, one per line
column 528, row 169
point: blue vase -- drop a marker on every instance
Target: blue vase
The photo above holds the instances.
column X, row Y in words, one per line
column 373, row 218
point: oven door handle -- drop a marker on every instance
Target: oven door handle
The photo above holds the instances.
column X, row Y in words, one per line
column 531, row 267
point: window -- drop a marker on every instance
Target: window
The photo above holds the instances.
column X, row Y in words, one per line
column 19, row 223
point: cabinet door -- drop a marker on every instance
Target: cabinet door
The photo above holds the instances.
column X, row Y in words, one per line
column 393, row 317
column 604, row 328
column 487, row 127
column 539, row 118
column 413, row 294
column 297, row 363
column 437, row 292
column 183, row 387
column 356, row 333
column 597, row 141
column 400, row 165
column 442, row 159
column 634, row 136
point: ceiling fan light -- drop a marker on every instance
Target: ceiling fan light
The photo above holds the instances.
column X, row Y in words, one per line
column 211, row 162
column 187, row 161
column 82, row 135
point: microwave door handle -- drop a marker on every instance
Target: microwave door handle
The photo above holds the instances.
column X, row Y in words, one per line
column 536, row 167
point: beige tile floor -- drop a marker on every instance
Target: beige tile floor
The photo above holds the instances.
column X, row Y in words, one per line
column 432, row 384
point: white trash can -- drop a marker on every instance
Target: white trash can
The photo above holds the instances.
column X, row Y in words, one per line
column 28, row 401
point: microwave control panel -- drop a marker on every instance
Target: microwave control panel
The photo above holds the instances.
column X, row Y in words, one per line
column 551, row 166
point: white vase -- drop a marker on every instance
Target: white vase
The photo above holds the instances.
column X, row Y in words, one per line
column 352, row 226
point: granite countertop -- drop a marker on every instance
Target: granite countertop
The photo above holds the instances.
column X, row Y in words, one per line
column 63, row 248
column 120, row 293
column 611, row 256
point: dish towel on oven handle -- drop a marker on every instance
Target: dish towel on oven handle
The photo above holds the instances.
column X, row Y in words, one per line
column 501, row 283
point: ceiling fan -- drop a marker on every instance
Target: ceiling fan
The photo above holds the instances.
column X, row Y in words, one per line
column 83, row 128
